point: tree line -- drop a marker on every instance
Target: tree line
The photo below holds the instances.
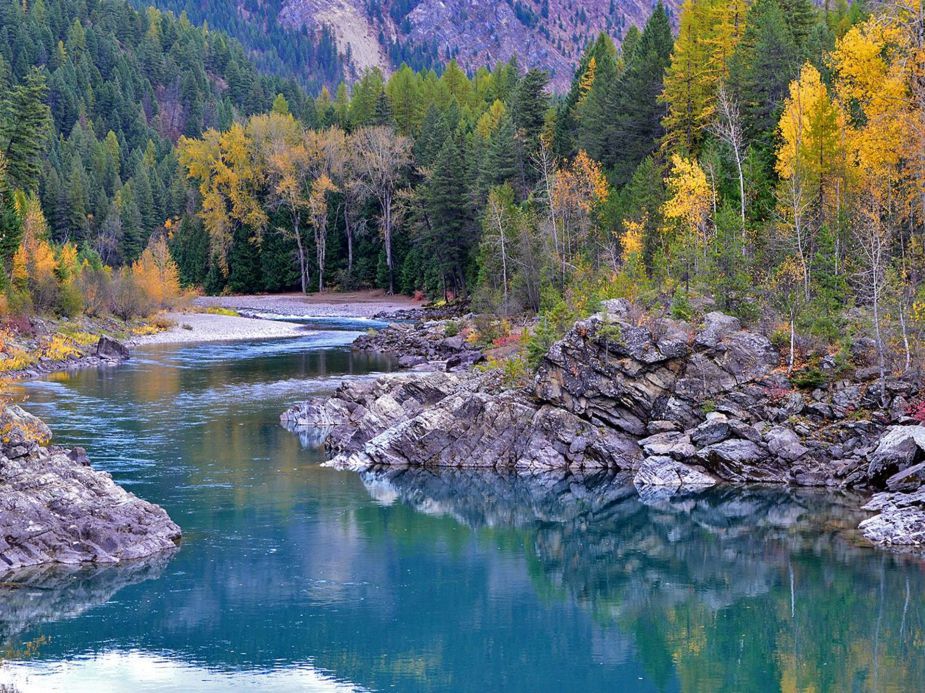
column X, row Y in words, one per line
column 765, row 158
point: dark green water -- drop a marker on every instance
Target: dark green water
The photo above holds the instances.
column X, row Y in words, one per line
column 296, row 577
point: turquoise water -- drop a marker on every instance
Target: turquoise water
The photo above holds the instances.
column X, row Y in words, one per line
column 296, row 577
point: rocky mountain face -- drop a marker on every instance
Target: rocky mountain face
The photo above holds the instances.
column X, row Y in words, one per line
column 547, row 34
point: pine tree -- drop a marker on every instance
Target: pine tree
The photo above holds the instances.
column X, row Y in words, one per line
column 637, row 119
column 531, row 101
column 25, row 120
column 762, row 67
column 447, row 236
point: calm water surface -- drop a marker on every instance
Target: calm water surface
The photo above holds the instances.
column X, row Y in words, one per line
column 295, row 577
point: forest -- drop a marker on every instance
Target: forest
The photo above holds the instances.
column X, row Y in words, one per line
column 768, row 157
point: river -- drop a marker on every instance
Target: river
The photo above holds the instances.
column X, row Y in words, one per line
column 296, row 577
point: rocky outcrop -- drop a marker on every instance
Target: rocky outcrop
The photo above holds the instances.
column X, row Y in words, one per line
column 427, row 346
column 678, row 405
column 626, row 373
column 54, row 508
column 899, row 522
column 451, row 420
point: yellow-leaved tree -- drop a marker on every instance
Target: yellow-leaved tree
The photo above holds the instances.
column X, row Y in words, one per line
column 156, row 274
column 810, row 163
column 708, row 34
column 687, row 209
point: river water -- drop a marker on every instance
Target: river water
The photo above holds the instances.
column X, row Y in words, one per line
column 296, row 577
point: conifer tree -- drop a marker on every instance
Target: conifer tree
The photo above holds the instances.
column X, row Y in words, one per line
column 25, row 120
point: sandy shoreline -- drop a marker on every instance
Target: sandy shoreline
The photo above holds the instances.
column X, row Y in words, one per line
column 193, row 327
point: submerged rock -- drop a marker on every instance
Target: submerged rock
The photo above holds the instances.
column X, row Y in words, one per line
column 54, row 508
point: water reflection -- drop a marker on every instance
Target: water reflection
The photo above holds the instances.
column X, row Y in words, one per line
column 43, row 594
column 727, row 588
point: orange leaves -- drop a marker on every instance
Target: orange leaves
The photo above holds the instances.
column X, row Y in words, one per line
column 156, row 274
column 582, row 186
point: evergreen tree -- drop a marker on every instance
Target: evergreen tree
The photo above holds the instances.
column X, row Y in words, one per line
column 637, row 118
column 761, row 69
column 531, row 101
column 447, row 236
column 25, row 119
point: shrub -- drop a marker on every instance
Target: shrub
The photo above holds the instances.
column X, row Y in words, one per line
column 128, row 298
column 60, row 348
column 451, row 329
column 809, row 378
column 917, row 411
column 681, row 305
column 69, row 302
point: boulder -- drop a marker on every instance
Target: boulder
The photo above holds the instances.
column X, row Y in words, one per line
column 57, row 509
column 111, row 349
column 785, row 444
column 665, row 471
column 899, row 448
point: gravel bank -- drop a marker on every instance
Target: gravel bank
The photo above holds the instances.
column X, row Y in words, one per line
column 355, row 304
column 203, row 327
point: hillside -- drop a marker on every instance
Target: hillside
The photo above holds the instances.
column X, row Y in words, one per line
column 296, row 34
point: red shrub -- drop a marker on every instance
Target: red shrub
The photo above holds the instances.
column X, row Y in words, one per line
column 917, row 411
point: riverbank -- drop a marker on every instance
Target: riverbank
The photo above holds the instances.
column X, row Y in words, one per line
column 276, row 316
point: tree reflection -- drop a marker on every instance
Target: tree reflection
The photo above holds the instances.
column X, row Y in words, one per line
column 725, row 588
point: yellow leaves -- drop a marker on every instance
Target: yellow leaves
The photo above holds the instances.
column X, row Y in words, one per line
column 690, row 194
column 317, row 199
column 708, row 34
column 490, row 119
column 631, row 240
column 871, row 68
column 60, row 348
column 810, row 128
column 156, row 273
column 587, row 79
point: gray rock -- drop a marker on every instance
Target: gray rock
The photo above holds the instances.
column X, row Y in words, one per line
column 716, row 326
column 664, row 471
column 899, row 448
column 742, row 460
column 111, row 349
column 900, row 521
column 715, row 429
column 653, row 371
column 784, row 443
column 54, row 508
column 671, row 444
